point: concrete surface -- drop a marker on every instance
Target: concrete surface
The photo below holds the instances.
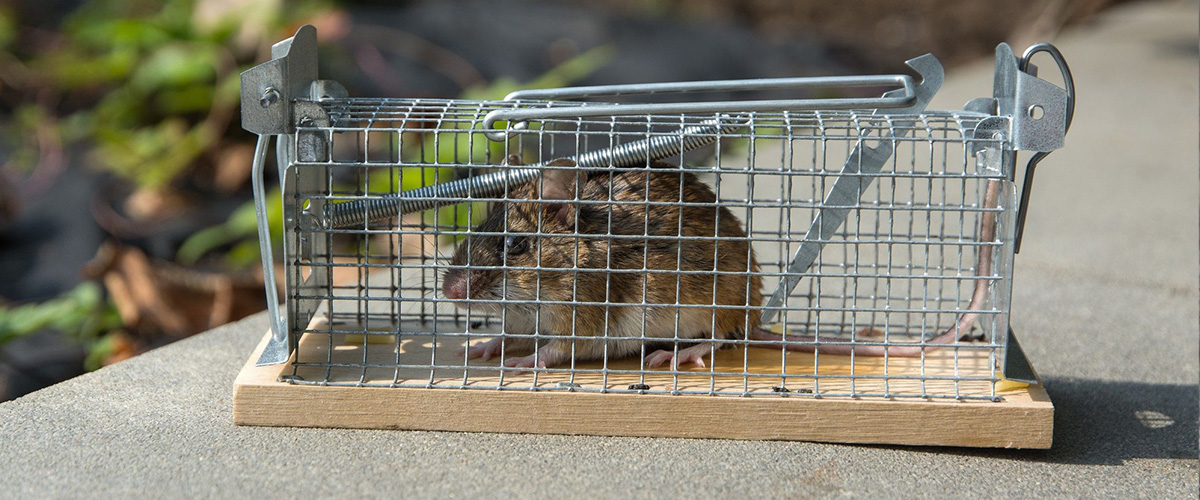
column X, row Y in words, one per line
column 1105, row 303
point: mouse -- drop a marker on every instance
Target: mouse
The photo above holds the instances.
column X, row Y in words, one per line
column 548, row 199
column 592, row 260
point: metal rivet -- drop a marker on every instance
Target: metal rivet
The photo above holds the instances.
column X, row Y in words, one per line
column 269, row 97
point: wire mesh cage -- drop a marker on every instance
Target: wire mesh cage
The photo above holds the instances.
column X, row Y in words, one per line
column 800, row 248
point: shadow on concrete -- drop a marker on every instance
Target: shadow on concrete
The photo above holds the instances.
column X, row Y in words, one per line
column 1179, row 48
column 1100, row 422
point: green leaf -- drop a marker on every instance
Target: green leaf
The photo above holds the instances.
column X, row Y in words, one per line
column 228, row 91
column 176, row 65
column 244, row 255
column 575, row 68
column 241, row 230
column 81, row 313
column 244, row 220
column 99, row 351
column 8, row 27
column 152, row 156
column 68, row 70
column 190, row 99
column 564, row 74
column 202, row 242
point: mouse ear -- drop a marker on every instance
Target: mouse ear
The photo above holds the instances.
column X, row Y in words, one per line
column 560, row 185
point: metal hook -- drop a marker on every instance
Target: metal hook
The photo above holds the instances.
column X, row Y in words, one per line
column 1030, row 168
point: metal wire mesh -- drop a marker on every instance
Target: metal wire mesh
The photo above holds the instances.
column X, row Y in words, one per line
column 580, row 292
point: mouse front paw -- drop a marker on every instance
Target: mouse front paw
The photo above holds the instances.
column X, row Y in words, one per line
column 484, row 350
column 548, row 356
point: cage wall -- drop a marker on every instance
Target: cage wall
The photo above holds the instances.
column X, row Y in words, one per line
column 902, row 268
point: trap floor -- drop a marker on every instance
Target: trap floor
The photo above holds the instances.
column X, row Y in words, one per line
column 457, row 399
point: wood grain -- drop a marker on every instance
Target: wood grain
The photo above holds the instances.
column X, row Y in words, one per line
column 1023, row 419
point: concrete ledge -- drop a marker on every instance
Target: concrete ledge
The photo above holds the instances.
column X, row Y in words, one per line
column 1109, row 265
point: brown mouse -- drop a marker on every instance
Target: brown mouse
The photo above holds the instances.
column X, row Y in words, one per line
column 601, row 237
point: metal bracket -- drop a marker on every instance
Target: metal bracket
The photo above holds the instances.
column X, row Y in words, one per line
column 310, row 145
column 1029, row 114
column 269, row 88
column 1037, row 109
column 276, row 98
column 324, row 90
column 1016, row 365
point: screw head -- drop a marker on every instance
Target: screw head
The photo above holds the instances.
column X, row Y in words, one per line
column 269, row 97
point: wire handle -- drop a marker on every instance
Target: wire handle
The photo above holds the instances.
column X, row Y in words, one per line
column 857, row 172
column 1031, row 167
column 279, row 334
column 515, row 116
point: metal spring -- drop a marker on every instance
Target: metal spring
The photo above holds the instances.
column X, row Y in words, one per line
column 494, row 184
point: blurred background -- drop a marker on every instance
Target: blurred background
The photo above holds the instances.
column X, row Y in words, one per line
column 125, row 210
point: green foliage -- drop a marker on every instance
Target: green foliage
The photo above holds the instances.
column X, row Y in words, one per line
column 82, row 313
column 158, row 69
column 8, row 27
column 452, row 144
column 564, row 74
column 241, row 230
column 176, row 65
column 740, row 146
column 100, row 350
column 441, row 146
column 23, row 147
column 154, row 155
column 456, row 145
column 157, row 77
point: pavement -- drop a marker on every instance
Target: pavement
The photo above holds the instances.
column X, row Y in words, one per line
column 1105, row 302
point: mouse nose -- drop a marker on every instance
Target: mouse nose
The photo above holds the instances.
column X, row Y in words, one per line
column 455, row 287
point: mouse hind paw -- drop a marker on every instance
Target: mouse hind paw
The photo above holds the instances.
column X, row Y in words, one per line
column 694, row 354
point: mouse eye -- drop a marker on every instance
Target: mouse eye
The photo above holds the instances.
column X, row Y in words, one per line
column 516, row 245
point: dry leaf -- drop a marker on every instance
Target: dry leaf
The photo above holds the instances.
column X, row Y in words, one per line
column 158, row 298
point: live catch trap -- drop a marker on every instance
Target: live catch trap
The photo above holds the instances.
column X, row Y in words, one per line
column 596, row 260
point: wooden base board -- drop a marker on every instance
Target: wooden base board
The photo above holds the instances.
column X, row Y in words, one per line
column 1023, row 419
